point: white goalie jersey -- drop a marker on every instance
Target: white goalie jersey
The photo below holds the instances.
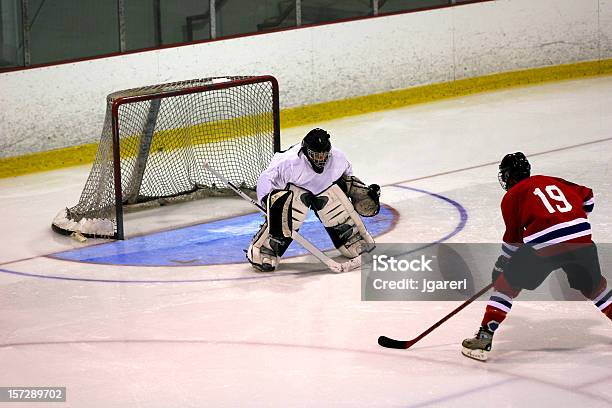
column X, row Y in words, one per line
column 292, row 167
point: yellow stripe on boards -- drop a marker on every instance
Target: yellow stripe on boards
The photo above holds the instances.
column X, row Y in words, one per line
column 47, row 160
column 433, row 92
column 168, row 140
column 77, row 155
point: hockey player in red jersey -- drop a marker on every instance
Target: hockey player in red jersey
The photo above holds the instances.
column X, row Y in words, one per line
column 546, row 229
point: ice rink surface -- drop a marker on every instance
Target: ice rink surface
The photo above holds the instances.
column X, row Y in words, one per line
column 224, row 335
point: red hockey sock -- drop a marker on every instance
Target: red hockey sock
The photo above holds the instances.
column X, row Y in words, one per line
column 498, row 307
column 608, row 311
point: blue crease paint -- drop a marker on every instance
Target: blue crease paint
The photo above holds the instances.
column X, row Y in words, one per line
column 213, row 243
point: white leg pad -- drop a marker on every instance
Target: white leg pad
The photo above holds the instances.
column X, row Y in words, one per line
column 342, row 222
column 300, row 205
column 260, row 253
column 264, row 252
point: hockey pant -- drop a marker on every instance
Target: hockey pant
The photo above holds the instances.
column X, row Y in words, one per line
column 527, row 270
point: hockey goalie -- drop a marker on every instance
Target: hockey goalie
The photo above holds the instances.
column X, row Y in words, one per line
column 312, row 175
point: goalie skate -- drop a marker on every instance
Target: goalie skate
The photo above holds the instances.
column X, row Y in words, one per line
column 479, row 346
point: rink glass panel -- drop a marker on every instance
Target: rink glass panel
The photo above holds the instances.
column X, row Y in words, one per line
column 393, row 6
column 66, row 29
column 42, row 32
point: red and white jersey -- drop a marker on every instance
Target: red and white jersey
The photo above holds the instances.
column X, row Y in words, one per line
column 543, row 211
column 292, row 166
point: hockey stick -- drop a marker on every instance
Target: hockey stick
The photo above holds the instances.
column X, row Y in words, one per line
column 334, row 266
column 404, row 344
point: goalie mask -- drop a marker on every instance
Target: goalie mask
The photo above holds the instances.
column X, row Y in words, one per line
column 316, row 146
column 513, row 168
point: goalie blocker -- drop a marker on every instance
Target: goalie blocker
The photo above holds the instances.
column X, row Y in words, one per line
column 287, row 209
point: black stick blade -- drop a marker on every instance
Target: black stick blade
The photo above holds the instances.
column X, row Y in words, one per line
column 391, row 343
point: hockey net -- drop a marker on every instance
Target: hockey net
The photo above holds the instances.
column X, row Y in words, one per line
column 155, row 139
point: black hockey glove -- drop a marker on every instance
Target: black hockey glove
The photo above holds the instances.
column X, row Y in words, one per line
column 499, row 267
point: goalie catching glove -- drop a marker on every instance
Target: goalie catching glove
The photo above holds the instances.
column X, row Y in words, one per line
column 365, row 199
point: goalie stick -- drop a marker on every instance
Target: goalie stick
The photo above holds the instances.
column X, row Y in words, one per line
column 404, row 344
column 334, row 266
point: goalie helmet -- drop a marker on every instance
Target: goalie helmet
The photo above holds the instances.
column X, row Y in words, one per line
column 513, row 168
column 316, row 146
